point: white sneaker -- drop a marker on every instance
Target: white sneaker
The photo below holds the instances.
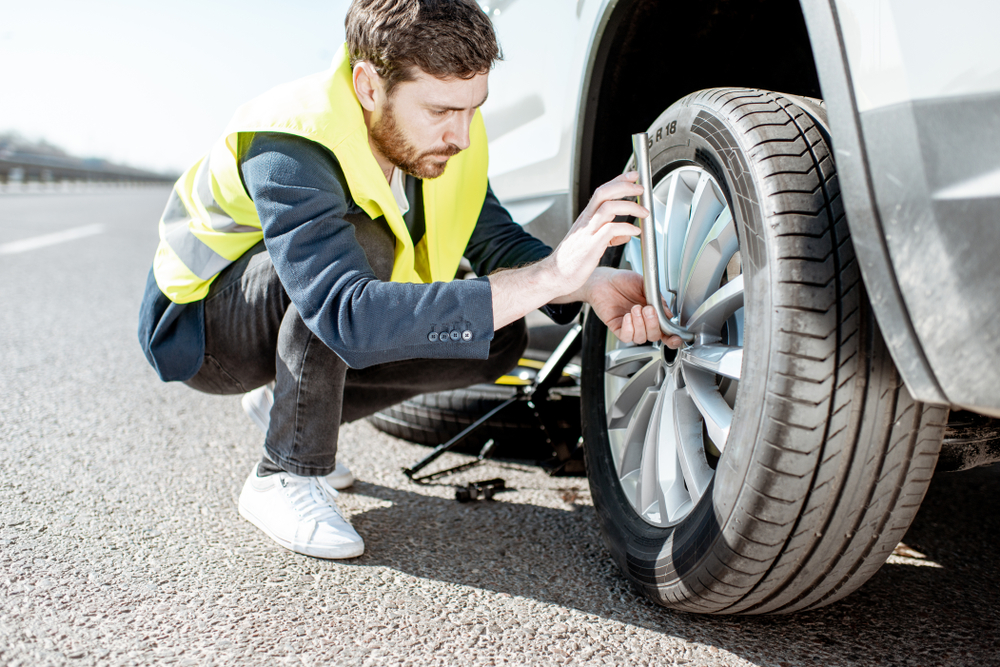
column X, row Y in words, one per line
column 258, row 403
column 300, row 514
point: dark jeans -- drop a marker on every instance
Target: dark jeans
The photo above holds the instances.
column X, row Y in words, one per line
column 254, row 334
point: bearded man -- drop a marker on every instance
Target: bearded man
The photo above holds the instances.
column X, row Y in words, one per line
column 307, row 260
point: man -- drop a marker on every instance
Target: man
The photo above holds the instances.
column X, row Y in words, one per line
column 312, row 250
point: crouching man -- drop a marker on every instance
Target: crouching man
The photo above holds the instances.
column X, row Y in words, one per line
column 306, row 260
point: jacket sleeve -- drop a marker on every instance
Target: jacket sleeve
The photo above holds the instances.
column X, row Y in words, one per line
column 301, row 196
column 500, row 243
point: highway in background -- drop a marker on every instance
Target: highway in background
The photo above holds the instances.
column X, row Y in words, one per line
column 120, row 543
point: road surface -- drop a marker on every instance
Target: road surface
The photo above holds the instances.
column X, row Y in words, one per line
column 120, row 543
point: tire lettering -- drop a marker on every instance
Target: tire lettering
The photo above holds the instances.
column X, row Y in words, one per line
column 666, row 131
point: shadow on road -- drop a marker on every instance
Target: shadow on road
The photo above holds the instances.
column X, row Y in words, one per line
column 937, row 610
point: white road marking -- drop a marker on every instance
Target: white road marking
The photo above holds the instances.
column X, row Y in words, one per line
column 49, row 239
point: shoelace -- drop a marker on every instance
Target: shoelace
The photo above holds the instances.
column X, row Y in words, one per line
column 311, row 502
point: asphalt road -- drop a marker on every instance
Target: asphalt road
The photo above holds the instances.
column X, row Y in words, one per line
column 120, row 543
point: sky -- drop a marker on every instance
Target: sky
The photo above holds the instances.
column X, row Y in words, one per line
column 150, row 84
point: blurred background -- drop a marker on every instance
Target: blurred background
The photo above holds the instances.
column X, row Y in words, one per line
column 141, row 84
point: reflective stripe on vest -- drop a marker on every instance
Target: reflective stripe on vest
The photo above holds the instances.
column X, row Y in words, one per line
column 210, row 221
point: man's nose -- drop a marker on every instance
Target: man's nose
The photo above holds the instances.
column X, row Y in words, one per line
column 457, row 133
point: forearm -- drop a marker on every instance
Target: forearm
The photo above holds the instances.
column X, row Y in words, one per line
column 517, row 292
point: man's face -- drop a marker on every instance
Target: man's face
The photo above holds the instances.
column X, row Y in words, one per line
column 425, row 121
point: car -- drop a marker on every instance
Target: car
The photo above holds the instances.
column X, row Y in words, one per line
column 825, row 182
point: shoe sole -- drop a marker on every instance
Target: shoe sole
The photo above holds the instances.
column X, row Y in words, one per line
column 347, row 551
column 341, row 481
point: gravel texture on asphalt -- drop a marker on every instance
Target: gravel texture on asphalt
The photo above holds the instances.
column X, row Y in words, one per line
column 120, row 543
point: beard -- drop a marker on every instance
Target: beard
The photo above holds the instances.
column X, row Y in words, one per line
column 389, row 139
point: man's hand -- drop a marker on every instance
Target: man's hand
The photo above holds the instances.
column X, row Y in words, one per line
column 580, row 251
column 618, row 299
column 560, row 276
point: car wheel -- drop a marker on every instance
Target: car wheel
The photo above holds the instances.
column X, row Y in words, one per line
column 774, row 463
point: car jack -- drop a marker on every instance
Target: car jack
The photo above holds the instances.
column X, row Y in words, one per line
column 535, row 395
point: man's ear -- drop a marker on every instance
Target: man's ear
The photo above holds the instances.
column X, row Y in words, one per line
column 367, row 85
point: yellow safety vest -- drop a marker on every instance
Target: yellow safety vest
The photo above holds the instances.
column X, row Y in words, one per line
column 210, row 220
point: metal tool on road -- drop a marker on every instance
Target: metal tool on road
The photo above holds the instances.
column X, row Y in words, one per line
column 650, row 265
column 485, row 489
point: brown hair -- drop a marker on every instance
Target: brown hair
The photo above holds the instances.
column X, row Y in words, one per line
column 444, row 38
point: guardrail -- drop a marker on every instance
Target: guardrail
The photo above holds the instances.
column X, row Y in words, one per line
column 18, row 167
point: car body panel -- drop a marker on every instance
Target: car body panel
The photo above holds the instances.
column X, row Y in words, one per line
column 939, row 197
column 926, row 89
column 912, row 95
column 905, row 50
column 535, row 110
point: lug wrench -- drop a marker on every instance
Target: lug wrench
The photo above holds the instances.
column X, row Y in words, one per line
column 650, row 267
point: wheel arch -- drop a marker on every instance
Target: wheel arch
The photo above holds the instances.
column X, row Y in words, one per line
column 790, row 46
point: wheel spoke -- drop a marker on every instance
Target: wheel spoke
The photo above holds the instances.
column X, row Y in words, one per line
column 649, row 494
column 711, row 315
column 625, row 361
column 691, row 445
column 706, row 206
column 709, row 265
column 624, row 404
column 714, row 410
column 721, row 360
column 635, row 433
column 678, row 194
column 674, row 499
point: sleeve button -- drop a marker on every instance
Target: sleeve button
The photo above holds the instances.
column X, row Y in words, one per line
column 466, row 335
column 455, row 336
column 432, row 336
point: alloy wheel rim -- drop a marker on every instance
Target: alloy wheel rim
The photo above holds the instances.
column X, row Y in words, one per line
column 669, row 413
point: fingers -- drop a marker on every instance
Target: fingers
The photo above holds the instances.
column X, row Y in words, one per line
column 621, row 187
column 615, row 190
column 638, row 325
column 652, row 324
column 666, row 308
column 627, row 177
column 615, row 207
column 626, row 332
column 673, row 342
column 613, row 230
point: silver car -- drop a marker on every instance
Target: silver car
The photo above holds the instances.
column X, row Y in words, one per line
column 826, row 181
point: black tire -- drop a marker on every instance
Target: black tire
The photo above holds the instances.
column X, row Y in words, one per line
column 828, row 457
column 432, row 419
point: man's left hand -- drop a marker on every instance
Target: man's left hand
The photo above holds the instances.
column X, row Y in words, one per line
column 618, row 299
